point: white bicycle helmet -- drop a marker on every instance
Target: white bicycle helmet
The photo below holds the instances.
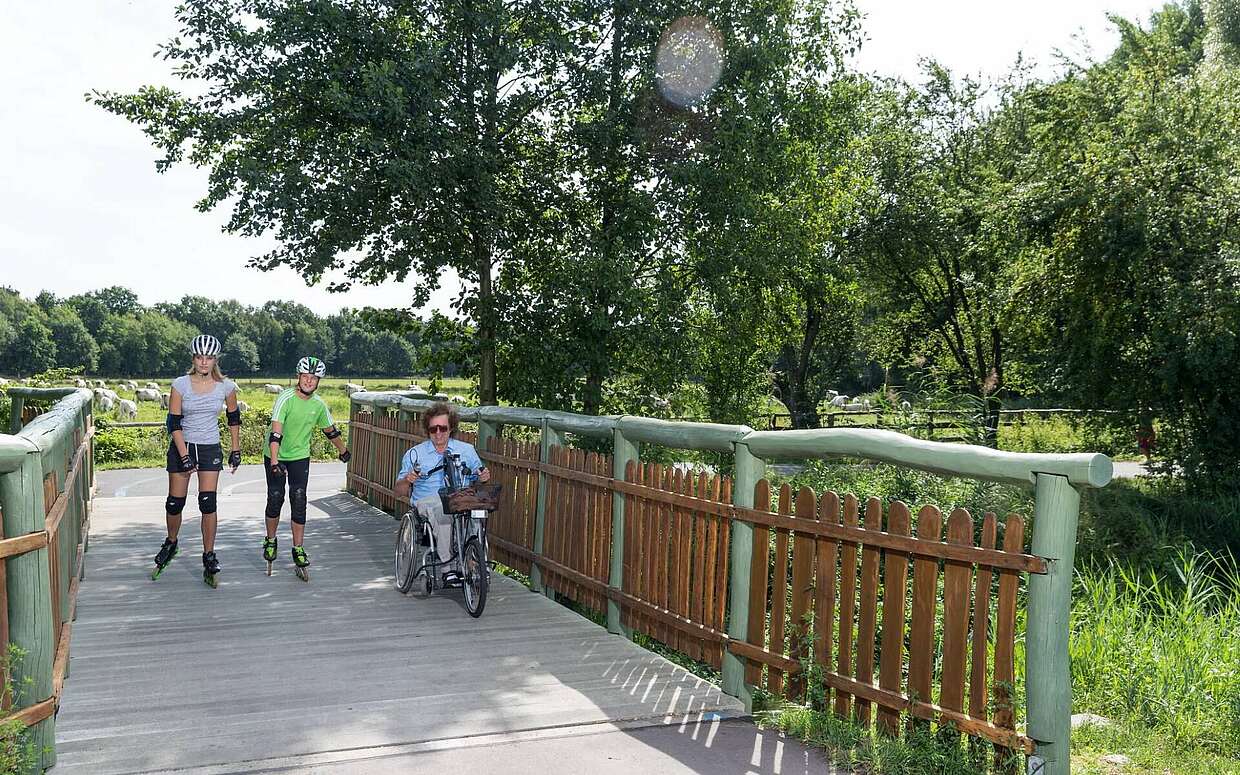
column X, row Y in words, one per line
column 311, row 365
column 205, row 344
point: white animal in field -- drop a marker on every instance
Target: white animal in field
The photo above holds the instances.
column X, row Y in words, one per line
column 111, row 394
column 4, row 382
column 243, row 406
column 79, row 383
column 440, row 397
column 458, row 399
column 839, row 401
column 147, row 394
column 415, row 387
column 905, row 406
column 865, row 404
column 152, row 386
column 832, row 393
column 126, row 409
column 100, row 383
column 130, row 385
column 351, row 388
column 163, row 399
column 105, row 403
column 272, row 388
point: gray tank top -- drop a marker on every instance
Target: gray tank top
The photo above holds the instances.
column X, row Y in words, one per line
column 200, row 412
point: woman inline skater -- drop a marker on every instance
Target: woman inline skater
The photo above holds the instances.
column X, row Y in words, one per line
column 193, row 423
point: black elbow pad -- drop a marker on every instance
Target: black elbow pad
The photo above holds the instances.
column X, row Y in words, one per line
column 276, row 437
column 332, row 433
column 234, row 416
column 173, row 423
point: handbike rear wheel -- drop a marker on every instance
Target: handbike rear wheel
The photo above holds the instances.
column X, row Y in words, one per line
column 406, row 558
column 475, row 577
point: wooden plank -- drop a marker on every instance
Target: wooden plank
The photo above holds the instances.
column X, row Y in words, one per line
column 1005, row 634
column 671, row 586
column 867, row 618
column 697, row 593
column 684, row 566
column 802, row 584
column 779, row 594
column 824, row 586
column 957, row 580
column 921, row 647
column 895, row 595
column 632, row 540
column 848, row 605
column 758, row 576
column 10, row 547
column 724, row 528
column 978, row 693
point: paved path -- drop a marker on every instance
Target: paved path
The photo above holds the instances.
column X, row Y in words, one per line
column 346, row 675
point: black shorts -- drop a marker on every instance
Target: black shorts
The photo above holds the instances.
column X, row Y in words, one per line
column 207, row 457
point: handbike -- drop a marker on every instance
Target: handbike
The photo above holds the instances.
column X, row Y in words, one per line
column 468, row 557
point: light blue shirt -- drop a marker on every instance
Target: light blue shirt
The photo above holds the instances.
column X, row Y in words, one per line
column 425, row 457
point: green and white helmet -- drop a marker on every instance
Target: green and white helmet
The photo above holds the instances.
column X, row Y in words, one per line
column 311, row 365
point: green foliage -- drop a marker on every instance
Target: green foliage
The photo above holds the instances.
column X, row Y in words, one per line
column 1161, row 651
column 18, row 753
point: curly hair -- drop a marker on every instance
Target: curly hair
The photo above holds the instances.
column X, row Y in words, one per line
column 439, row 408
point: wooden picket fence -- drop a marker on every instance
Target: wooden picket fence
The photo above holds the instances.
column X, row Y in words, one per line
column 832, row 594
column 853, row 606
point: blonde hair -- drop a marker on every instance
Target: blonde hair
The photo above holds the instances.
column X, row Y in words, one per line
column 216, row 374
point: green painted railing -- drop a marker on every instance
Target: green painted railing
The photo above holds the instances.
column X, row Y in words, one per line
column 46, row 482
column 1056, row 480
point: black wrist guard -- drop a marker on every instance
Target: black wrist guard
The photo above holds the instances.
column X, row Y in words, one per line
column 346, row 456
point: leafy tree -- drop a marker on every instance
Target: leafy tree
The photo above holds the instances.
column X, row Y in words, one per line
column 365, row 136
column 1138, row 218
column 240, row 355
column 75, row 347
column 33, row 349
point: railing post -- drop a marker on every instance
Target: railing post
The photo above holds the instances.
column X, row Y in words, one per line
column 372, row 449
column 623, row 451
column 549, row 438
column 486, row 432
column 1048, row 679
column 17, row 405
column 749, row 470
column 31, row 613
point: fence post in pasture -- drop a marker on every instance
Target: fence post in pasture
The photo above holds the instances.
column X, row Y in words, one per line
column 18, row 405
column 1048, row 689
column 749, row 470
column 622, row 452
column 550, row 437
column 31, row 615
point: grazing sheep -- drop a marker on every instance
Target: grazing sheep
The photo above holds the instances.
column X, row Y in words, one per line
column 105, row 403
column 126, row 409
column 147, row 394
column 151, row 385
column 351, row 388
column 415, row 387
column 111, row 394
column 905, row 406
column 79, row 383
column 100, row 383
column 243, row 406
column 839, row 401
column 272, row 388
column 458, row 399
column 440, row 396
column 163, row 400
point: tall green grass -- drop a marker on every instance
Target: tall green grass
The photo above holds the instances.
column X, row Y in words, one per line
column 1160, row 651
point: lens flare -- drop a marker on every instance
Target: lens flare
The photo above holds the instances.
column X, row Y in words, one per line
column 688, row 60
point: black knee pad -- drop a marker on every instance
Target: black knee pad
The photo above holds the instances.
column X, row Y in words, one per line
column 175, row 505
column 206, row 502
column 275, row 502
column 297, row 502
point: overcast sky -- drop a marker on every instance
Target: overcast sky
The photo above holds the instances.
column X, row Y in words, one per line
column 81, row 206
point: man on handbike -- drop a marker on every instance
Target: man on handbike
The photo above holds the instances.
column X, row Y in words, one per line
column 422, row 474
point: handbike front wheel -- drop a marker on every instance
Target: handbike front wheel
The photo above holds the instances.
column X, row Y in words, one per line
column 475, row 578
column 406, row 553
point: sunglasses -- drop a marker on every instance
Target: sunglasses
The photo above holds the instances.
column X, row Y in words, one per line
column 438, row 429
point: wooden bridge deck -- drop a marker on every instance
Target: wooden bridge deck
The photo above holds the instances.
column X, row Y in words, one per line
column 341, row 674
